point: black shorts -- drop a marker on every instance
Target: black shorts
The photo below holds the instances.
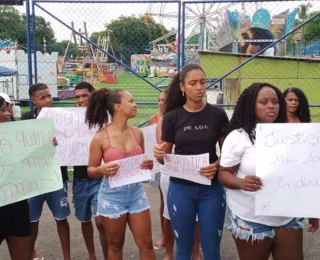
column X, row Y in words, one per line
column 15, row 220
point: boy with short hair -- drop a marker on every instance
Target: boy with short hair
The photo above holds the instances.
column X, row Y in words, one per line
column 58, row 200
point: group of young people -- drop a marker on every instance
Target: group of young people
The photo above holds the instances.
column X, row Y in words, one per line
column 193, row 126
column 20, row 221
column 193, row 214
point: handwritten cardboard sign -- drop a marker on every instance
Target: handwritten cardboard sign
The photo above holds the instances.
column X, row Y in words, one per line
column 150, row 140
column 130, row 172
column 29, row 164
column 186, row 167
column 288, row 161
column 72, row 134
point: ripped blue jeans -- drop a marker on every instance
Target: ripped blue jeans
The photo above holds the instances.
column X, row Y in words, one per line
column 245, row 230
column 184, row 203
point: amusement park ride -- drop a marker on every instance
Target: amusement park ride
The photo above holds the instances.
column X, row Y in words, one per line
column 215, row 27
column 90, row 64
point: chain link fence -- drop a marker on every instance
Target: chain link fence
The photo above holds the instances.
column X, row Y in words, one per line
column 13, row 54
column 239, row 43
column 136, row 46
column 113, row 44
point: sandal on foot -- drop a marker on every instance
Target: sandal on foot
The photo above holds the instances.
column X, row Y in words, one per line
column 159, row 245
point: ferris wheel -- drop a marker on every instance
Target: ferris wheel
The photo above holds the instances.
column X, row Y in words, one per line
column 205, row 23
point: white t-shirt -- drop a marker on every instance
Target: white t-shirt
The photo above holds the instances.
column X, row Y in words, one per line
column 238, row 149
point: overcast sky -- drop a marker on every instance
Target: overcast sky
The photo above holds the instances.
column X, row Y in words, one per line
column 97, row 15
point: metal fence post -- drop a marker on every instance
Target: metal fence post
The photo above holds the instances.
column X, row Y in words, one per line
column 29, row 46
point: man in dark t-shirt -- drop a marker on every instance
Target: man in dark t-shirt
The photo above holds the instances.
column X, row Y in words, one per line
column 85, row 189
column 57, row 200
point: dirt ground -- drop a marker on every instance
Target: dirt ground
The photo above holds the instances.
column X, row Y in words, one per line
column 48, row 242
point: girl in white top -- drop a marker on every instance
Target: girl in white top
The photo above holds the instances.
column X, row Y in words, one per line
column 281, row 236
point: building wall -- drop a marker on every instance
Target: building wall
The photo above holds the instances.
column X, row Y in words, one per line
column 279, row 71
column 47, row 71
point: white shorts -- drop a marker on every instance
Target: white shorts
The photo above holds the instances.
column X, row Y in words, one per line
column 164, row 186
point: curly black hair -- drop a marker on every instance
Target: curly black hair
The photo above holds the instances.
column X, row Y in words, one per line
column 244, row 114
column 174, row 97
column 303, row 112
column 101, row 102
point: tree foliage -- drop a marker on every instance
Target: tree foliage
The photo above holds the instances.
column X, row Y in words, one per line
column 131, row 35
column 61, row 47
column 312, row 29
column 13, row 27
column 308, row 32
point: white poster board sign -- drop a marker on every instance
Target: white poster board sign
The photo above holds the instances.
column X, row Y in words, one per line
column 288, row 162
column 150, row 140
column 130, row 172
column 186, row 167
column 72, row 134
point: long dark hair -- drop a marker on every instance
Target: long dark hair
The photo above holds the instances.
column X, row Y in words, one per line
column 244, row 114
column 256, row 33
column 174, row 97
column 303, row 112
column 100, row 103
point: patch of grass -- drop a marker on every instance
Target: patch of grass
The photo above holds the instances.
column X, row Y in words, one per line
column 141, row 91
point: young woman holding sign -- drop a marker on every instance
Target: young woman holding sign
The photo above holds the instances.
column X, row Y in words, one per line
column 297, row 106
column 14, row 218
column 255, row 236
column 116, row 141
column 194, row 127
column 167, row 228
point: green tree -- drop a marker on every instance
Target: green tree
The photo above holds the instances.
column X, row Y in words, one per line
column 312, row 29
column 13, row 27
column 61, row 48
column 131, row 35
column 303, row 12
column 43, row 30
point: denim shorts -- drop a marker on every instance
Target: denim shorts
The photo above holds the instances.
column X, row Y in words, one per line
column 85, row 198
column 57, row 202
column 114, row 202
column 244, row 230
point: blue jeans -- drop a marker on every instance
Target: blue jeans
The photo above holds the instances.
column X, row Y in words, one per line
column 57, row 202
column 184, row 203
column 85, row 198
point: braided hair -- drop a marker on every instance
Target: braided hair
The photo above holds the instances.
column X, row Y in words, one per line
column 101, row 102
column 36, row 87
column 244, row 117
column 174, row 97
column 303, row 112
